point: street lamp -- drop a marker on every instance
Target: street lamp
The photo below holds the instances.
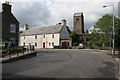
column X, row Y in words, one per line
column 113, row 32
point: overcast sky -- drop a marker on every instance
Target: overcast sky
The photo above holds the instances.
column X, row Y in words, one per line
column 39, row 13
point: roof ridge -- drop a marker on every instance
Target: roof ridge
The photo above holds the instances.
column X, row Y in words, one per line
column 44, row 26
column 43, row 30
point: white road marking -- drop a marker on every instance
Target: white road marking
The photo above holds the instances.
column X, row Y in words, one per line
column 96, row 52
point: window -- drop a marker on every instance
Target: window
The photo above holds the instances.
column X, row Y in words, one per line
column 12, row 39
column 29, row 44
column 24, row 37
column 35, row 36
column 65, row 43
column 77, row 19
column 49, row 43
column 24, row 44
column 53, row 36
column 43, row 36
column 13, row 28
column 52, row 43
column 35, row 44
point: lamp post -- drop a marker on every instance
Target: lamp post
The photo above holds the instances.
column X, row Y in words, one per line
column 113, row 32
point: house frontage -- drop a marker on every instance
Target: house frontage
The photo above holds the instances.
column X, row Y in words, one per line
column 9, row 28
column 56, row 36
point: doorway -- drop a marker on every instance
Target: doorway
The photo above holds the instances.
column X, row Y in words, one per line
column 43, row 45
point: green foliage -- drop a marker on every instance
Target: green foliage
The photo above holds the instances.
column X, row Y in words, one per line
column 117, row 36
column 104, row 23
column 75, row 38
column 103, row 37
column 21, row 32
column 12, row 50
column 87, row 31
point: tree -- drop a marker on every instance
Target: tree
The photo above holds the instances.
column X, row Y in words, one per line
column 21, row 32
column 104, row 24
column 75, row 38
column 117, row 36
column 87, row 31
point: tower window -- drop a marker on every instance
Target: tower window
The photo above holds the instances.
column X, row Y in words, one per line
column 77, row 19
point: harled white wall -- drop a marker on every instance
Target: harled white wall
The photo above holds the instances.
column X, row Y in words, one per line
column 40, row 39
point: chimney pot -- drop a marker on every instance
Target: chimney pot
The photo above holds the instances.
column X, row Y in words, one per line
column 63, row 22
column 6, row 7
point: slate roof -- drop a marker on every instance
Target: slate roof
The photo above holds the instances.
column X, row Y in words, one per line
column 43, row 30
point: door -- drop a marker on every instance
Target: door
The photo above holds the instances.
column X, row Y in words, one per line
column 65, row 45
column 43, row 45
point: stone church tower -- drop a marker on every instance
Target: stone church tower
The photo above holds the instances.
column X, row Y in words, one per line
column 78, row 23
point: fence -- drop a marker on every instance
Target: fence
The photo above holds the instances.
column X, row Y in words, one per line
column 17, row 51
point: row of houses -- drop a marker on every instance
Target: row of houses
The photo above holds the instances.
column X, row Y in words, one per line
column 56, row 36
column 41, row 37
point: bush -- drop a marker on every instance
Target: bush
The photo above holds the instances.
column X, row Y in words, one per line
column 12, row 50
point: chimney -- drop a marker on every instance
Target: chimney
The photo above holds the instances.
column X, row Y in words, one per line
column 25, row 27
column 63, row 22
column 6, row 7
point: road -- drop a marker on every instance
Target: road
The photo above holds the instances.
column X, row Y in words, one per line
column 63, row 64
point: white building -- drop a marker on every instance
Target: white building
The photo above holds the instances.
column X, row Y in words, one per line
column 47, row 37
column 92, row 29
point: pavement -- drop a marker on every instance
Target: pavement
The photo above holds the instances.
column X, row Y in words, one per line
column 117, row 58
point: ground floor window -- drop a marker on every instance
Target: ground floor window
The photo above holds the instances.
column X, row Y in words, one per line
column 52, row 43
column 13, row 41
column 35, row 44
column 65, row 43
column 49, row 43
column 24, row 44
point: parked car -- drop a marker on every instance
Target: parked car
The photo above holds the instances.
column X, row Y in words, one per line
column 80, row 46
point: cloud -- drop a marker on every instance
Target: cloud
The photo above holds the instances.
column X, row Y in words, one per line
column 119, row 9
column 33, row 14
column 62, row 0
column 51, row 12
column 0, row 7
